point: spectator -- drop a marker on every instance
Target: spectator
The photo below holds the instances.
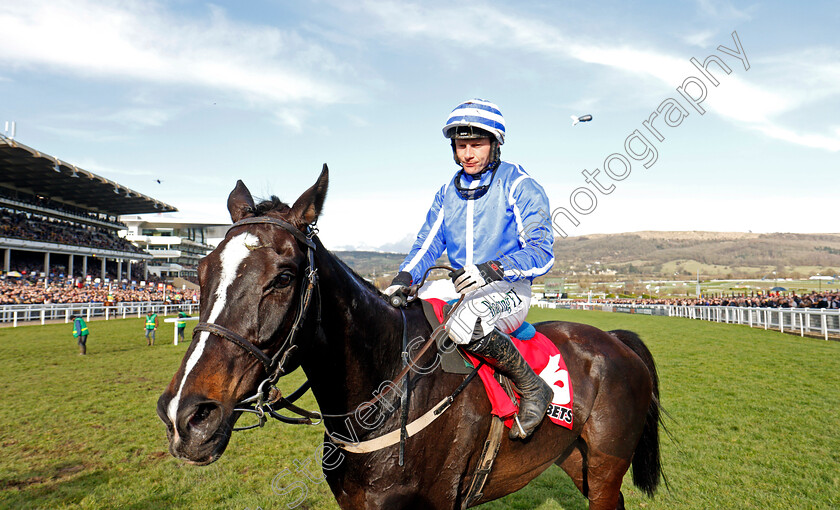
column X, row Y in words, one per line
column 824, row 299
column 30, row 291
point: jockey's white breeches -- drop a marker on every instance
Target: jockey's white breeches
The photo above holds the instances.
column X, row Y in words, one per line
column 500, row 304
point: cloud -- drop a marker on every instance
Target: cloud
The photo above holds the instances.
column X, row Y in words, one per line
column 130, row 119
column 738, row 98
column 142, row 42
column 144, row 117
column 701, row 39
column 815, row 140
column 86, row 135
column 722, row 10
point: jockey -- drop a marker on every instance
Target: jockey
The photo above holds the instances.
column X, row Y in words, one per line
column 493, row 220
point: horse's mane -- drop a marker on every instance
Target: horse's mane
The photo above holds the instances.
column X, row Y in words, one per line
column 269, row 205
column 355, row 275
column 274, row 204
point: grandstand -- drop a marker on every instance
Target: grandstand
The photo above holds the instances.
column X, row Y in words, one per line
column 175, row 245
column 62, row 221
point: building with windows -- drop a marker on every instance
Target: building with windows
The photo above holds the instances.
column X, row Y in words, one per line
column 176, row 246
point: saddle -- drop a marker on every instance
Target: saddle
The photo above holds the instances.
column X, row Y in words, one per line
column 538, row 350
column 453, row 360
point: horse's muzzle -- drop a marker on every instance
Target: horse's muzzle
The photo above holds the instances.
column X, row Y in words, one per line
column 201, row 430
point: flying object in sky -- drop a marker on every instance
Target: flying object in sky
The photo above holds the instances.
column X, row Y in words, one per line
column 582, row 118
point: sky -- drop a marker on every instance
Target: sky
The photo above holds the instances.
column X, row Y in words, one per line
column 199, row 94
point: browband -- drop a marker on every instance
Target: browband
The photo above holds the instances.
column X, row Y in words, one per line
column 300, row 236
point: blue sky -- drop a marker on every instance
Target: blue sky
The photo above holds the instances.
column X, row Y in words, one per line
column 200, row 94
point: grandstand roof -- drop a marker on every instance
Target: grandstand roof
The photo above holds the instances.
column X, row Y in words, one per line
column 25, row 169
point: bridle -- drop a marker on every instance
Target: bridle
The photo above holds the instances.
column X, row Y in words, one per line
column 274, row 367
column 268, row 399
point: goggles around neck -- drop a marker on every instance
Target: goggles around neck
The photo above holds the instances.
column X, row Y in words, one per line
column 477, row 192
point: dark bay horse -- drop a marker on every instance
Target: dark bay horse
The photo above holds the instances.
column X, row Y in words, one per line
column 258, row 316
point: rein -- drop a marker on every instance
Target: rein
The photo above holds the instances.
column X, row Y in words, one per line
column 261, row 402
column 268, row 400
column 409, row 365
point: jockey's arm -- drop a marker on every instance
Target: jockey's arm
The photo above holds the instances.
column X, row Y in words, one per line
column 430, row 243
column 536, row 237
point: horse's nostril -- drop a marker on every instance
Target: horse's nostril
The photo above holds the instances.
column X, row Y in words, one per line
column 201, row 413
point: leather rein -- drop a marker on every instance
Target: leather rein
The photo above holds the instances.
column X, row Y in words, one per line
column 268, row 399
column 267, row 393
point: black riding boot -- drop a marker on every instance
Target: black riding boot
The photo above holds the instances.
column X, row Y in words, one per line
column 502, row 355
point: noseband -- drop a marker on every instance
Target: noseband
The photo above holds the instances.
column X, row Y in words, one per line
column 274, row 366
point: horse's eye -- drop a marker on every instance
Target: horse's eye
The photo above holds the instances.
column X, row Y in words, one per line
column 283, row 280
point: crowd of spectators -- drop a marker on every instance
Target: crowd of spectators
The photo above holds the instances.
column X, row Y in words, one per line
column 56, row 206
column 36, row 228
column 25, row 291
column 827, row 299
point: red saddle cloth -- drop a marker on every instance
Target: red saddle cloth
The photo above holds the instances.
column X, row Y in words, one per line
column 544, row 357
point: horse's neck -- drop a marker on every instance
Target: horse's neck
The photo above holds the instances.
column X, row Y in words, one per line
column 359, row 341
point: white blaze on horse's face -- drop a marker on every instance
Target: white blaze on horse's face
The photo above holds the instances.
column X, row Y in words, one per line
column 236, row 250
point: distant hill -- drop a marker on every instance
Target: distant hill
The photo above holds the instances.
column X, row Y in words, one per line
column 714, row 254
column 371, row 264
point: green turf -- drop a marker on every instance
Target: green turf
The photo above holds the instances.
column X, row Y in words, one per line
column 755, row 416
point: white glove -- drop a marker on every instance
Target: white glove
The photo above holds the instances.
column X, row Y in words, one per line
column 390, row 291
column 473, row 277
column 397, row 292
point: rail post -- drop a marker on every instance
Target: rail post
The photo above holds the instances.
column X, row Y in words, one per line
column 801, row 324
column 824, row 324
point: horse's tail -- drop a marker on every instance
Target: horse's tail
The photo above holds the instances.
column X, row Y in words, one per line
column 647, row 463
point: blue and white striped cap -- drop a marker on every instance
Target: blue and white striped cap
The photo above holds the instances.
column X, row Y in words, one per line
column 476, row 113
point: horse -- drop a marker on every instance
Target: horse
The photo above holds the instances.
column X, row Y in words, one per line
column 260, row 319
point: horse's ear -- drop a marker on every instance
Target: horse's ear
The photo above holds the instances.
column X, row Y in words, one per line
column 308, row 206
column 240, row 203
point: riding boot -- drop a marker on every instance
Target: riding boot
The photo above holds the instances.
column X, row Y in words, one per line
column 502, row 355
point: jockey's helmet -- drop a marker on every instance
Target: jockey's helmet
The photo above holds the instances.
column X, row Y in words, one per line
column 475, row 118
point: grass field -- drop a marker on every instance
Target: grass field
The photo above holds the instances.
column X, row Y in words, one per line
column 755, row 414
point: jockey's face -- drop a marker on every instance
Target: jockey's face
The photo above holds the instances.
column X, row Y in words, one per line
column 474, row 154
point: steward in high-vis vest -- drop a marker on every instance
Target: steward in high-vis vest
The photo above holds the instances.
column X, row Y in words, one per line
column 151, row 326
column 80, row 333
column 182, row 325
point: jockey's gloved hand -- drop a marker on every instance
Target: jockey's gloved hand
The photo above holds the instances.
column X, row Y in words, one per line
column 397, row 292
column 473, row 277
